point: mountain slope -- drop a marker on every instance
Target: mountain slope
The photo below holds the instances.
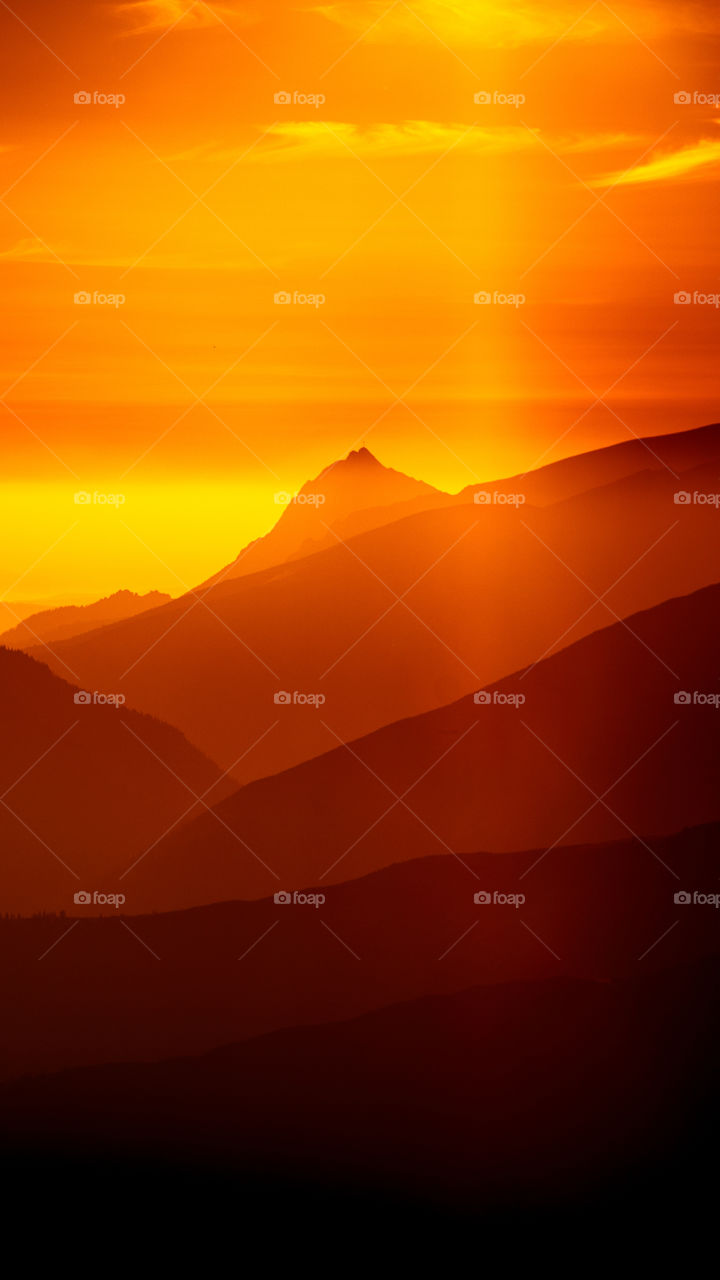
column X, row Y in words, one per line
column 409, row 930
column 84, row 786
column 598, row 750
column 668, row 455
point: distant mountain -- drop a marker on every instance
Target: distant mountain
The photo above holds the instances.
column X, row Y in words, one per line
column 61, row 623
column 405, row 617
column 354, row 491
column 14, row 611
column 86, row 786
column 599, row 749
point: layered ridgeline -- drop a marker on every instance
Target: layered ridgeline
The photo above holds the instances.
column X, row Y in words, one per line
column 614, row 735
column 522, row 1095
column 427, row 926
column 358, row 493
column 264, row 671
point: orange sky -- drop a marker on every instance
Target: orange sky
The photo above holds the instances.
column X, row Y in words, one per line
column 397, row 199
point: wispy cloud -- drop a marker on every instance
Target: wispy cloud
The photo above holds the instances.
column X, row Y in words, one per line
column 459, row 23
column 485, row 22
column 300, row 141
column 26, row 250
column 159, row 15
column 304, row 139
column 666, row 167
column 501, row 23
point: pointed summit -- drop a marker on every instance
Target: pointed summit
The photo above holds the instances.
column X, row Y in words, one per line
column 346, row 497
column 350, row 496
column 356, row 460
column 363, row 454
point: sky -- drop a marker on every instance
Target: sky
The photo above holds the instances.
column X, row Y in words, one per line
column 168, row 168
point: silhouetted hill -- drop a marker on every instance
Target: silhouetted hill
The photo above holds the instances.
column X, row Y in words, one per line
column 185, row 982
column 519, row 1093
column 84, row 786
column 598, row 750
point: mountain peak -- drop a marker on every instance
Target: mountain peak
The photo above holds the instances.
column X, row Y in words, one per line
column 356, row 460
column 346, row 498
column 363, row 455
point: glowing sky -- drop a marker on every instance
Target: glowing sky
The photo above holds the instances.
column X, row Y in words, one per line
column 397, row 199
